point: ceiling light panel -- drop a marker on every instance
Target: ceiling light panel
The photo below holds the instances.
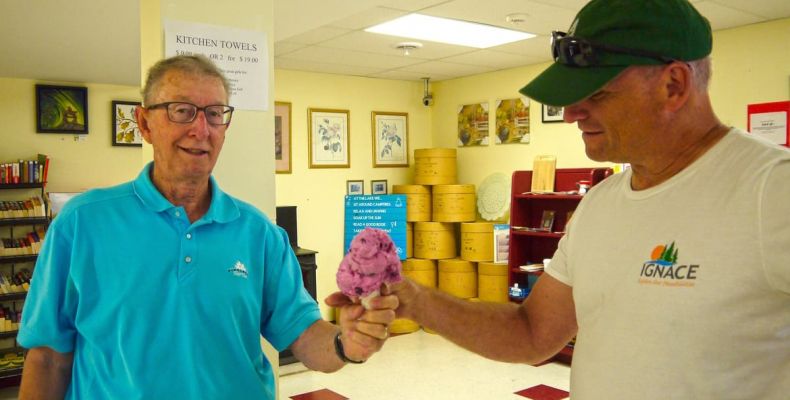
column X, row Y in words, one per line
column 443, row 30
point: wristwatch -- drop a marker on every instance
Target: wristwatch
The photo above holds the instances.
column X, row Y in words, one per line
column 342, row 353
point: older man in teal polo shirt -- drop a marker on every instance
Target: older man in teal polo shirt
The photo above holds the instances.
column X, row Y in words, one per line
column 160, row 288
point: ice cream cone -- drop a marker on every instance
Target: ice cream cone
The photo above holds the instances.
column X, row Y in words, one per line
column 365, row 300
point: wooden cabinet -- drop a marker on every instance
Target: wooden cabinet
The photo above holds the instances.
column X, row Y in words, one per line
column 533, row 237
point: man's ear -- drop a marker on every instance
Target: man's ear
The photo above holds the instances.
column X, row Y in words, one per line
column 142, row 123
column 679, row 85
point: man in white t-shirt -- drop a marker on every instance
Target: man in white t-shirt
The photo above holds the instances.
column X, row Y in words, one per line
column 674, row 276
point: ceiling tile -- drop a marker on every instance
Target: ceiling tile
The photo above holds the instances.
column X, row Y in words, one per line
column 538, row 48
column 723, row 17
column 328, row 68
column 406, row 75
column 573, row 5
column 385, row 44
column 451, row 70
column 409, row 5
column 540, row 18
column 349, row 57
column 281, row 48
column 292, row 17
column 492, row 59
column 768, row 9
column 368, row 18
column 316, row 36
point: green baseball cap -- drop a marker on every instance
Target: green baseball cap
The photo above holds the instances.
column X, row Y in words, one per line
column 673, row 29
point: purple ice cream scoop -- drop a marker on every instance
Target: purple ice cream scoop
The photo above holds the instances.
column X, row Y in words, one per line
column 371, row 261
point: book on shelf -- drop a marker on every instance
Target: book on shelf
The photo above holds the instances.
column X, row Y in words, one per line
column 567, row 192
column 530, row 229
column 43, row 162
column 18, row 283
column 28, row 245
column 531, row 267
column 25, row 171
column 30, row 208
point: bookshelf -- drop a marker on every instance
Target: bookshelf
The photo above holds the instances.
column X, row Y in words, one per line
column 12, row 266
column 532, row 239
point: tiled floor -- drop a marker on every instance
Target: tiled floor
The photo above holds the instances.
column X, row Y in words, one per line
column 419, row 366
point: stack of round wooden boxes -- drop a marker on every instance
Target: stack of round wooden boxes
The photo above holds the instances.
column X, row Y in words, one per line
column 437, row 209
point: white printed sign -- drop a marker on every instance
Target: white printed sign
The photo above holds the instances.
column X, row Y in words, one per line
column 242, row 55
column 771, row 126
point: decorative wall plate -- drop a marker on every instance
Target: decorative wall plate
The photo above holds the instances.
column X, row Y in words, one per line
column 493, row 197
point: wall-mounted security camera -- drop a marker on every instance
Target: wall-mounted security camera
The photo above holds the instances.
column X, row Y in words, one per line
column 427, row 97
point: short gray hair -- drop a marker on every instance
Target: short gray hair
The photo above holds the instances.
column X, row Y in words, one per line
column 194, row 64
column 700, row 72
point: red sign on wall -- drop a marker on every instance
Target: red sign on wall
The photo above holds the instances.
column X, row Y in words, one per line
column 770, row 121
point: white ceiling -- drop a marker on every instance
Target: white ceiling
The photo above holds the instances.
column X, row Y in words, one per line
column 340, row 45
column 47, row 42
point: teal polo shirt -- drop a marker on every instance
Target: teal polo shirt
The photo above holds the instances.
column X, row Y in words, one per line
column 156, row 307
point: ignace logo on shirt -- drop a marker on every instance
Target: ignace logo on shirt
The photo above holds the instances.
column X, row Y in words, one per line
column 664, row 270
column 239, row 270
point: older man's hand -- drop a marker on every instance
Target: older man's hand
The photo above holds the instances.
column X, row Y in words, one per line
column 363, row 332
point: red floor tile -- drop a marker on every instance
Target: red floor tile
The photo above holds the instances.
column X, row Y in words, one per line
column 543, row 392
column 323, row 394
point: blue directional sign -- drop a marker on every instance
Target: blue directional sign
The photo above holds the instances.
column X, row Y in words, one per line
column 385, row 212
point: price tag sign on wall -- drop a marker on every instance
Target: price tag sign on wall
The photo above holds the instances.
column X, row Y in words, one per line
column 385, row 212
column 769, row 121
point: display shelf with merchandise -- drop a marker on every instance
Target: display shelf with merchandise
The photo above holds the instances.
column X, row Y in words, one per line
column 11, row 265
column 538, row 221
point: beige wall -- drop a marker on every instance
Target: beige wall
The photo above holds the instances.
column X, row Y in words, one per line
column 75, row 165
column 318, row 193
column 751, row 64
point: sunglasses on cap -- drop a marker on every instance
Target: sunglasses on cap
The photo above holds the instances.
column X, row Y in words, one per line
column 578, row 52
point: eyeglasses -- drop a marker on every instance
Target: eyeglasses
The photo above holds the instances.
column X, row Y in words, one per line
column 184, row 113
column 578, row 52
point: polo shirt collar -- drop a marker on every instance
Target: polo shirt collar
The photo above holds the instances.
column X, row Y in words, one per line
column 222, row 209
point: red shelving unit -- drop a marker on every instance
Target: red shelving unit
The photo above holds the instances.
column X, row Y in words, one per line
column 529, row 245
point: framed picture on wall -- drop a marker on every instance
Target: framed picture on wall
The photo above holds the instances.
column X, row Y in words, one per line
column 378, row 187
column 512, row 121
column 355, row 187
column 282, row 137
column 328, row 138
column 552, row 113
column 61, row 109
column 390, row 139
column 125, row 131
column 473, row 125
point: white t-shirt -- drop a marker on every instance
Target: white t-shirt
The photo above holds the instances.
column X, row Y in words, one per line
column 682, row 291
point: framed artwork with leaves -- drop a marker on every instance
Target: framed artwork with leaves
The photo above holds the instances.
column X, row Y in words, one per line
column 328, row 138
column 390, row 139
column 125, row 131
